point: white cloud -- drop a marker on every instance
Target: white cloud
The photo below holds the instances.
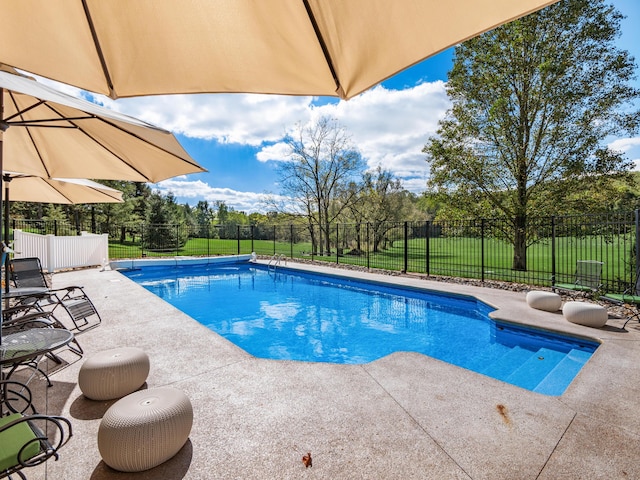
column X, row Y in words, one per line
column 624, row 144
column 238, row 118
column 277, row 152
column 630, row 147
column 390, row 127
column 247, row 202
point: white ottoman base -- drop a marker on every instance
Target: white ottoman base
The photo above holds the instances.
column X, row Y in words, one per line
column 584, row 313
column 547, row 301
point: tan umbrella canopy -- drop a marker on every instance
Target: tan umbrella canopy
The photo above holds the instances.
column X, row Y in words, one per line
column 125, row 48
column 69, row 191
column 50, row 134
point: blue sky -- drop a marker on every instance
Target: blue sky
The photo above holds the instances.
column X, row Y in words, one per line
column 238, row 138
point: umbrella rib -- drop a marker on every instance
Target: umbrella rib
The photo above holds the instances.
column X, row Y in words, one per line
column 104, row 192
column 101, row 119
column 339, row 90
column 21, row 112
column 25, row 123
column 96, row 42
column 42, row 121
column 35, row 145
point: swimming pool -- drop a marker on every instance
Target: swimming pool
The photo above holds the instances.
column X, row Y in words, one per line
column 287, row 314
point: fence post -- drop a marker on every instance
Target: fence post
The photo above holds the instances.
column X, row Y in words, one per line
column 368, row 248
column 337, row 241
column 238, row 237
column 177, row 239
column 553, row 250
column 142, row 241
column 291, row 239
column 406, row 247
column 208, row 240
column 427, row 266
column 50, row 244
column 637, row 223
column 482, row 249
column 274, row 239
column 252, row 237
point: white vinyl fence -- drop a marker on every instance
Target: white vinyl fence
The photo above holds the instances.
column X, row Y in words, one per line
column 58, row 253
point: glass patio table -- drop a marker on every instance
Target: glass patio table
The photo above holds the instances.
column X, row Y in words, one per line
column 25, row 347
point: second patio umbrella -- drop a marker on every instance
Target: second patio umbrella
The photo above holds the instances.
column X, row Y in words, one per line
column 30, row 188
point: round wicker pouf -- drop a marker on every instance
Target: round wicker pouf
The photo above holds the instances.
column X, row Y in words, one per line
column 113, row 373
column 547, row 301
column 584, row 313
column 145, row 429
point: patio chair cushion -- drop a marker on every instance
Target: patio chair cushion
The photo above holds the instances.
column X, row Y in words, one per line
column 622, row 298
column 13, row 439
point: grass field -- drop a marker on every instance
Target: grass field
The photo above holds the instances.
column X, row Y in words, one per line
column 490, row 259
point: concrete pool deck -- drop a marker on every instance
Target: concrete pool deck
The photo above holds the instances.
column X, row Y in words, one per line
column 401, row 417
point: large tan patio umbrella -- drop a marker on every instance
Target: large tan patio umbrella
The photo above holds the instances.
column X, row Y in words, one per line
column 50, row 134
column 125, row 48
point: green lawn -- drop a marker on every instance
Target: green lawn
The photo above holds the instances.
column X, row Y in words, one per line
column 457, row 256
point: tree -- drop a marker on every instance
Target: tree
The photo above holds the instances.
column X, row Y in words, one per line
column 533, row 103
column 165, row 224
column 380, row 200
column 322, row 162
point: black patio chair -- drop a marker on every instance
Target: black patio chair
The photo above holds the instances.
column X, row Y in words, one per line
column 15, row 397
column 26, row 273
column 587, row 282
column 630, row 299
column 29, row 440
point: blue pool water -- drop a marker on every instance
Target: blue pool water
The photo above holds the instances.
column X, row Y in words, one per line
column 299, row 316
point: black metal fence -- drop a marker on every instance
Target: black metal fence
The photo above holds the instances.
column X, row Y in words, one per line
column 477, row 248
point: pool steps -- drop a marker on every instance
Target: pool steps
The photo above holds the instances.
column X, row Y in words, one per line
column 521, row 367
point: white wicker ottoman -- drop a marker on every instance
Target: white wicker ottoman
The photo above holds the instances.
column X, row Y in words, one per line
column 145, row 429
column 547, row 301
column 584, row 313
column 113, row 373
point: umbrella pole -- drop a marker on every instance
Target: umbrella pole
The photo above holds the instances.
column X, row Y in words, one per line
column 3, row 128
column 6, row 179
